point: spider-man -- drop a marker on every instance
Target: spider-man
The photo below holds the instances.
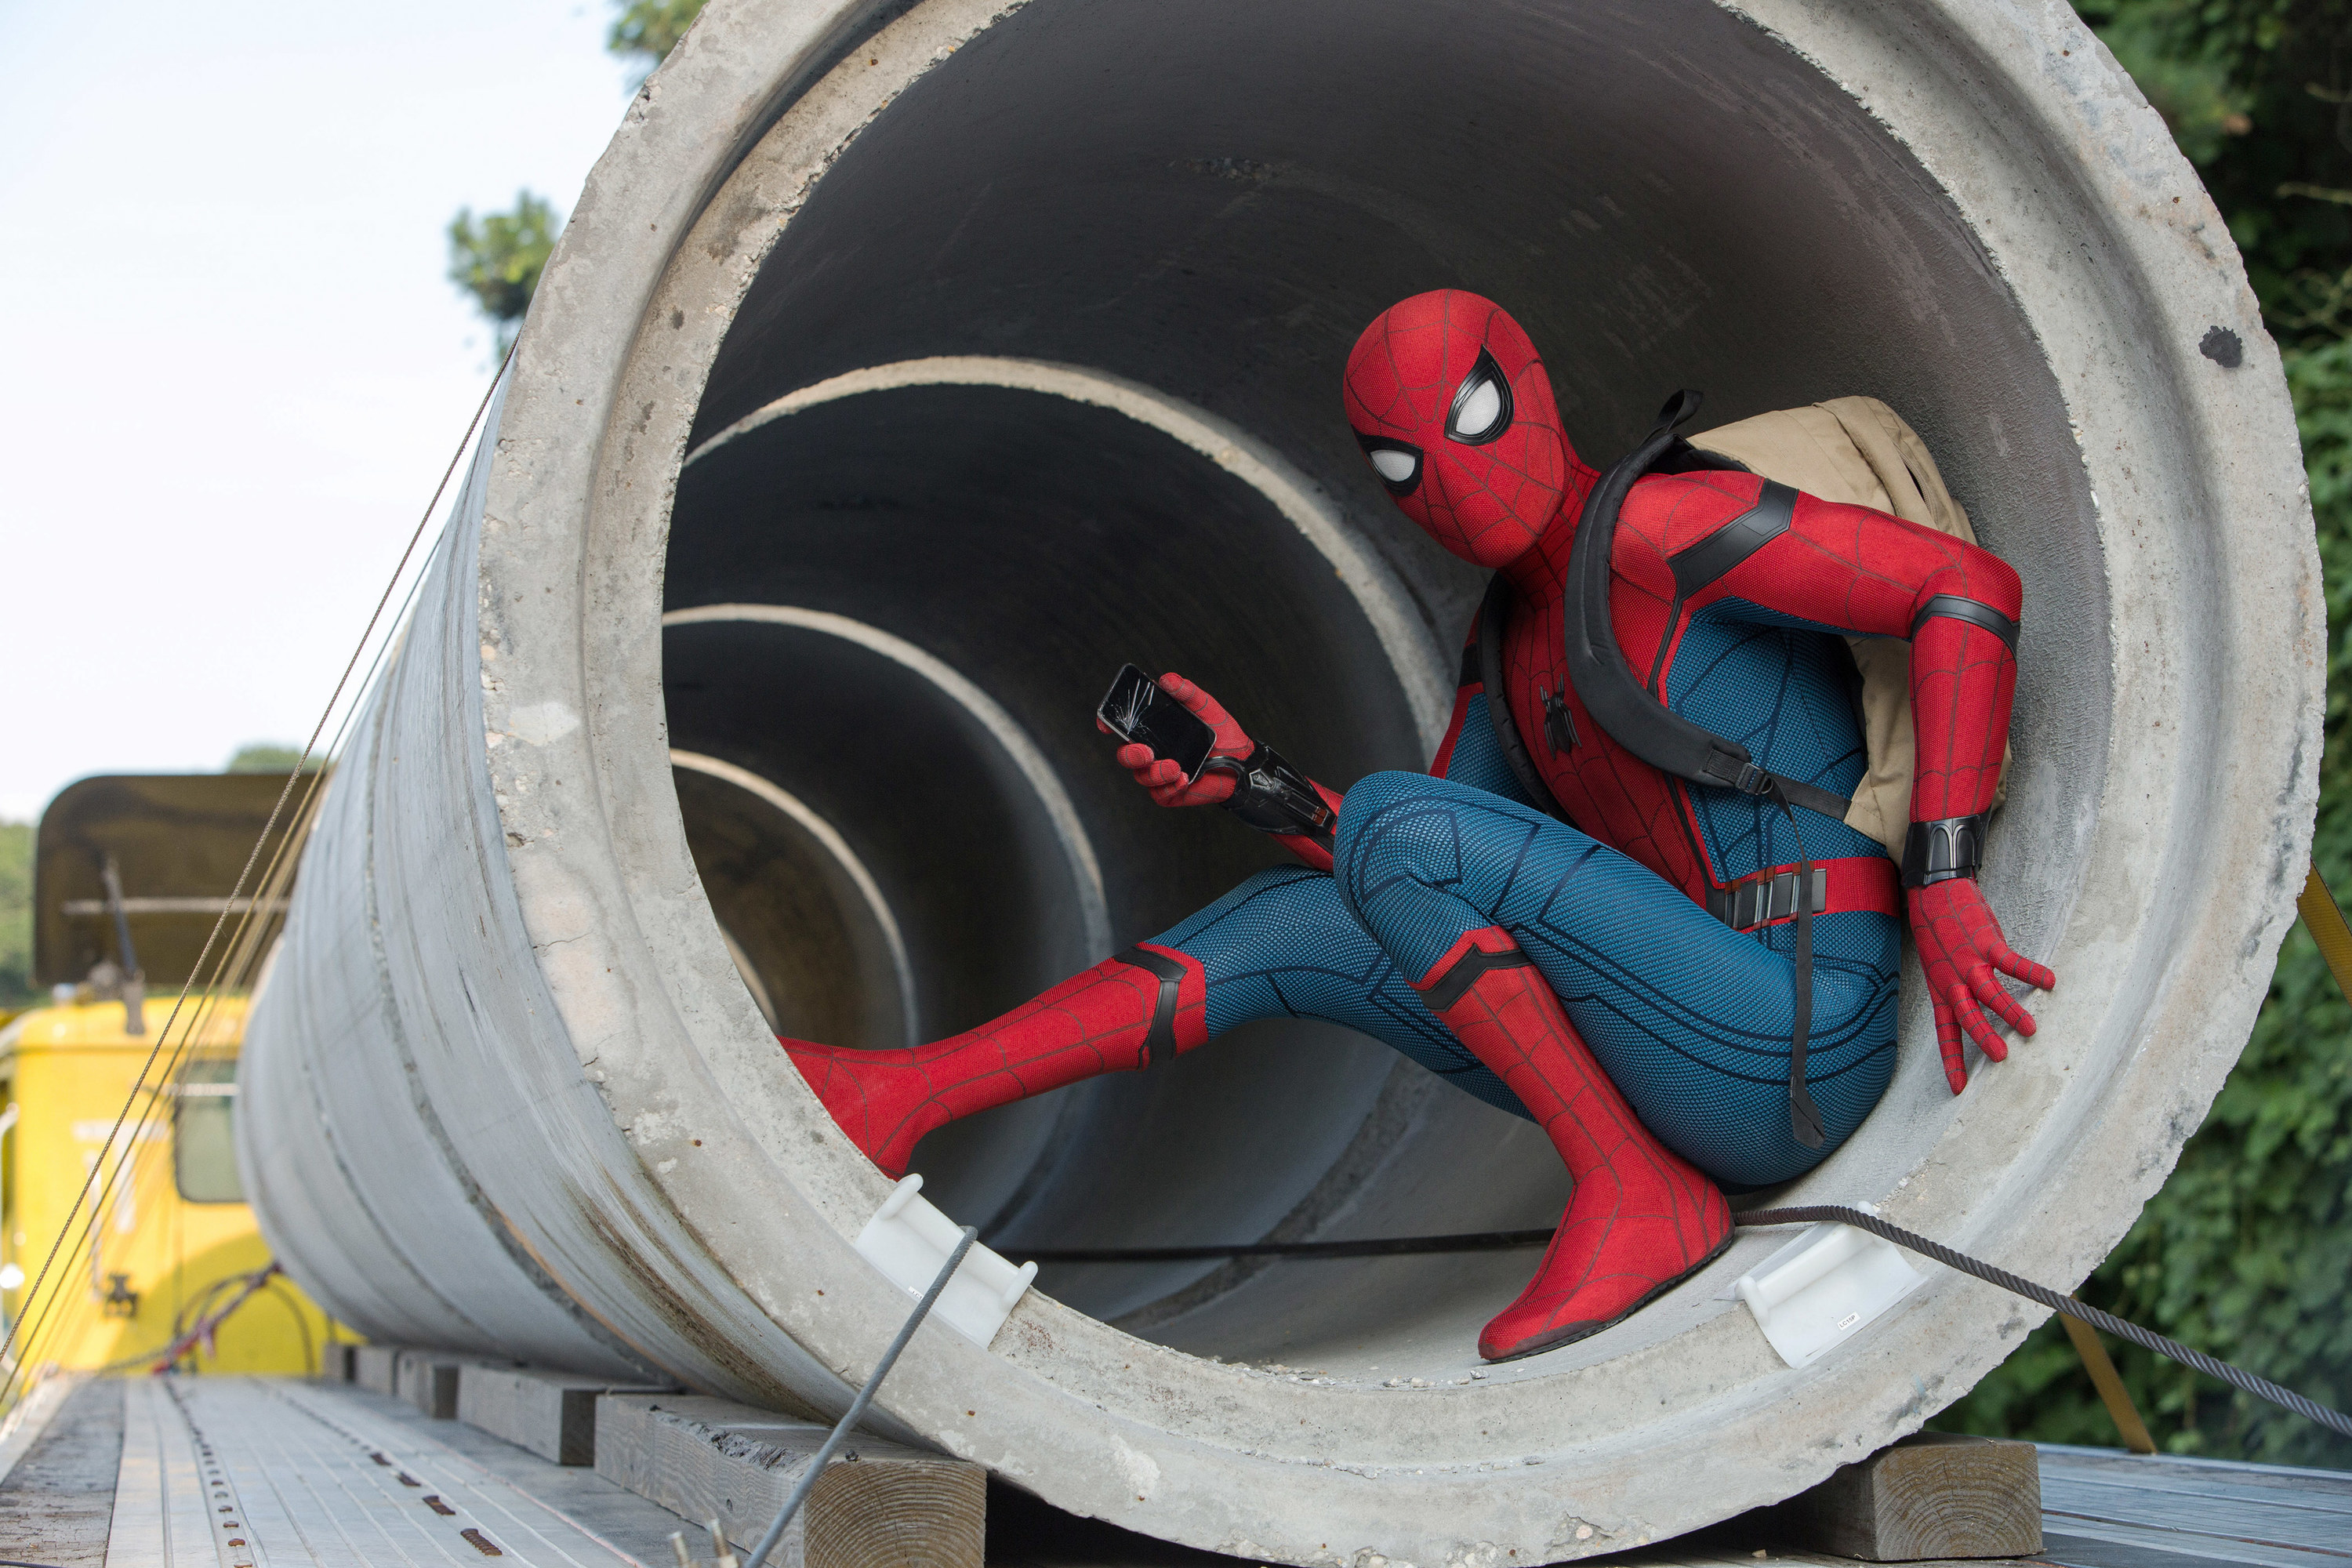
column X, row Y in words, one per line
column 1680, row 984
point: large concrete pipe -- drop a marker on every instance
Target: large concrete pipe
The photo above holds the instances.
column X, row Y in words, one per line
column 907, row 367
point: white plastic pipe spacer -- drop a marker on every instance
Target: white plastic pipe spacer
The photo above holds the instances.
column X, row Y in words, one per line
column 908, row 1239
column 1823, row 1288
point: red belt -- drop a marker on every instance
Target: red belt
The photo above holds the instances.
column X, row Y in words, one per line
column 1849, row 884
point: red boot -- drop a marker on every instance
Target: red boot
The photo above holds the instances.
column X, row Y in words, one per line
column 1144, row 1007
column 1641, row 1217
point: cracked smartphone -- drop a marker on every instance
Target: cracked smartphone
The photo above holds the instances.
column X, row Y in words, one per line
column 1139, row 711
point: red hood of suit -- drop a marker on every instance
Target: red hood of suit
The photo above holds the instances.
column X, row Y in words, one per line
column 1486, row 500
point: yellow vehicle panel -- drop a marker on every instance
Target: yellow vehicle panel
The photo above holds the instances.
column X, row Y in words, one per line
column 172, row 1236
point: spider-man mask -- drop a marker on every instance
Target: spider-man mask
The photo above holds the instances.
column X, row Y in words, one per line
column 1454, row 412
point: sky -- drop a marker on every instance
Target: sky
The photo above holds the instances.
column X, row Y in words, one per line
column 232, row 367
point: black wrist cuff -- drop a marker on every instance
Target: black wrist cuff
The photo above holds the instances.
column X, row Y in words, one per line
column 1938, row 851
column 1272, row 797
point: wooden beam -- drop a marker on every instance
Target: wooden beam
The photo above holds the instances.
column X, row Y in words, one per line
column 428, row 1380
column 552, row 1414
column 376, row 1368
column 2110, row 1383
column 876, row 1506
column 2324, row 916
column 1932, row 1495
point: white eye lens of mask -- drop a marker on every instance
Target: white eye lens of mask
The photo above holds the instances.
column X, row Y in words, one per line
column 1480, row 410
column 1393, row 465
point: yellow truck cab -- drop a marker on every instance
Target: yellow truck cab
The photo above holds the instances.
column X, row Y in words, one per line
column 117, row 1240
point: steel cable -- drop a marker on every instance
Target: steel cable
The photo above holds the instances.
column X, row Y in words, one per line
column 849, row 1419
column 1821, row 1213
column 12, row 1361
column 1370, row 1247
column 229, row 972
column 2260, row 1387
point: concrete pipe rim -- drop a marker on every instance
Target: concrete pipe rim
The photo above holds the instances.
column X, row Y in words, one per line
column 699, row 184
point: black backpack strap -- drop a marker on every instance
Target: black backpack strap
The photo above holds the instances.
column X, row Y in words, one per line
column 1637, row 721
column 1494, row 611
column 1612, row 693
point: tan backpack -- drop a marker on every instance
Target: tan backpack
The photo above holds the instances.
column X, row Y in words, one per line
column 1859, row 451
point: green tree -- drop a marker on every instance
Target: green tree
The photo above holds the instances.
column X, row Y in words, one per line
column 2259, row 94
column 647, row 30
column 497, row 259
column 16, row 915
column 269, row 757
column 2245, row 1251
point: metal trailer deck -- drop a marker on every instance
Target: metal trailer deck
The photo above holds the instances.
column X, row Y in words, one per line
column 261, row 1473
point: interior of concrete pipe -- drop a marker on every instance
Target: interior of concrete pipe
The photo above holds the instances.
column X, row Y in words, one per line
column 1210, row 201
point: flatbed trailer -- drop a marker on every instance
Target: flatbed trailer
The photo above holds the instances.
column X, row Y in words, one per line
column 269, row 1472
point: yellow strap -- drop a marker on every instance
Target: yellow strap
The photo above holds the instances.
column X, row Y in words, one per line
column 2110, row 1384
column 2324, row 918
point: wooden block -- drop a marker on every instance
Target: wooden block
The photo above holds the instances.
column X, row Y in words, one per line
column 375, row 1367
column 428, row 1380
column 552, row 1414
column 1932, row 1495
column 701, row 1458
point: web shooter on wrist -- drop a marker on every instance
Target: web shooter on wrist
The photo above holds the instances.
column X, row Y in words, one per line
column 1269, row 795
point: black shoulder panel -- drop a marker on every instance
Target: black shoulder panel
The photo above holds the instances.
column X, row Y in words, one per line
column 1736, row 540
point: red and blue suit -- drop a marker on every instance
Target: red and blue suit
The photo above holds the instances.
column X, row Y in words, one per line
column 1616, row 962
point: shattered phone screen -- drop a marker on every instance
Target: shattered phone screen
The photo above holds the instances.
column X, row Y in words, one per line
column 1137, row 710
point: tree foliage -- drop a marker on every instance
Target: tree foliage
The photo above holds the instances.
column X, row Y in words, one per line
column 2245, row 1252
column 16, row 915
column 269, row 757
column 497, row 259
column 647, row 30
column 2259, row 94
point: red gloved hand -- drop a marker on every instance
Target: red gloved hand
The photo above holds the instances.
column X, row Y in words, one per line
column 1163, row 778
column 1960, row 945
